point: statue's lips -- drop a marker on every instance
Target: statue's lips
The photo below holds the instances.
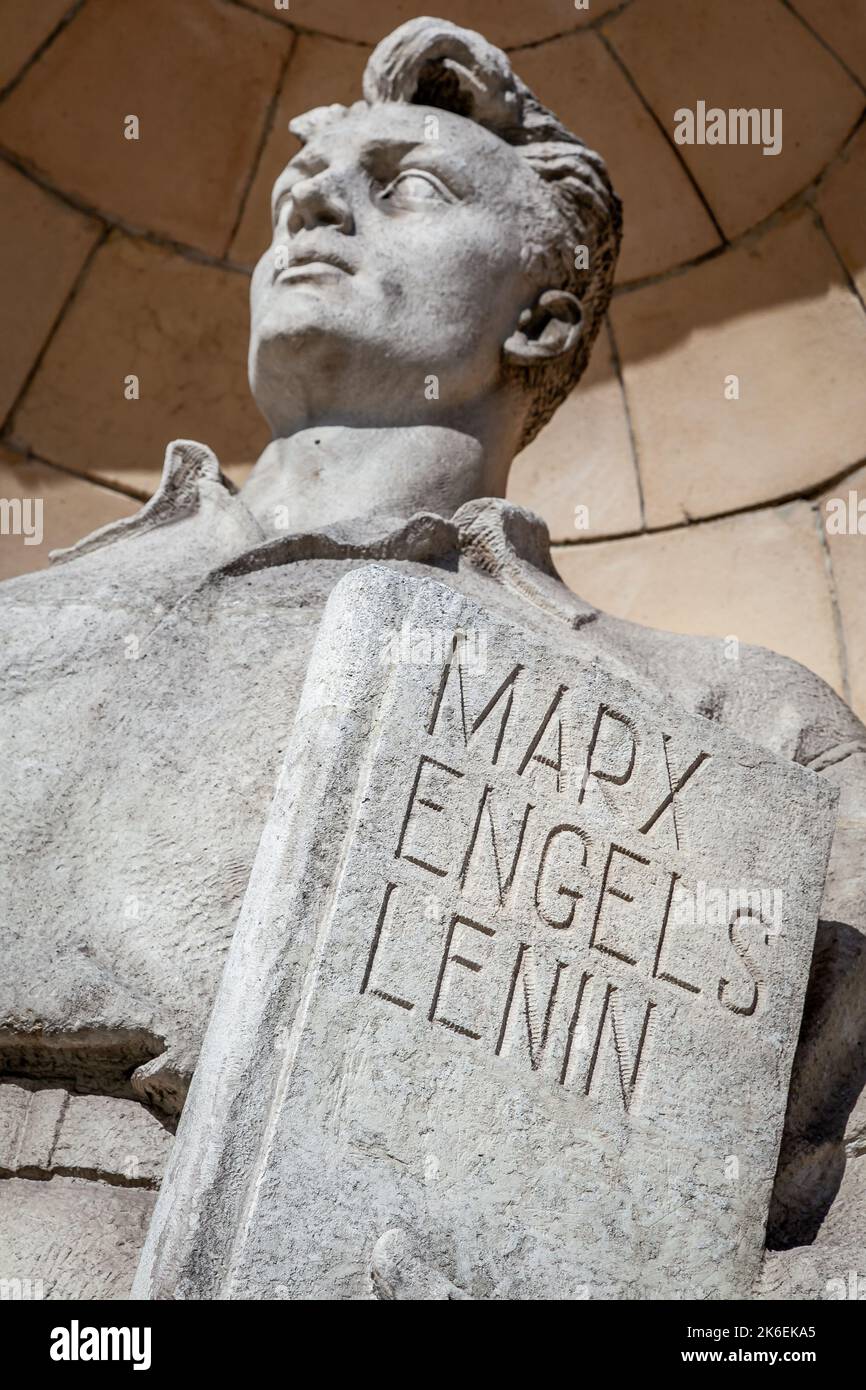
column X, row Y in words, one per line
column 311, row 267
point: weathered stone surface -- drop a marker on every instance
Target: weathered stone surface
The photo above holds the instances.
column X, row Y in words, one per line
column 43, row 246
column 772, row 314
column 201, row 100
column 113, row 1137
column 69, row 1238
column 750, row 54
column 760, row 577
column 23, row 27
column 74, row 1204
column 841, row 26
column 586, row 87
column 50, row 1131
column 150, row 678
column 833, row 1267
column 841, row 202
column 180, row 330
column 29, row 1123
column 476, row 1031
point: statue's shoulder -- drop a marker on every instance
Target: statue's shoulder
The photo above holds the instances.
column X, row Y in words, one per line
column 193, row 488
column 192, row 524
column 763, row 695
column 122, row 578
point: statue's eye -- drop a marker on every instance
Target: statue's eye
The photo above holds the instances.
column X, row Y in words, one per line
column 412, row 187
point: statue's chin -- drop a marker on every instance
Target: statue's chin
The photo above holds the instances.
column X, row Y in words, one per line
column 281, row 338
column 288, row 362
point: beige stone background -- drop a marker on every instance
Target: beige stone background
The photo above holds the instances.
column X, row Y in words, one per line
column 122, row 257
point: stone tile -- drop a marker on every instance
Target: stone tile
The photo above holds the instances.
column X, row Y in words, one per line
column 583, row 458
column 29, row 1122
column 23, row 27
column 665, row 222
column 503, row 22
column 841, row 202
column 743, row 53
column 848, row 558
column 199, row 77
column 79, row 1239
column 43, row 245
column 760, row 577
column 112, row 1136
column 181, row 328
column 320, row 72
column 51, row 1130
column 15, row 1104
column 777, row 313
column 841, row 24
column 71, row 508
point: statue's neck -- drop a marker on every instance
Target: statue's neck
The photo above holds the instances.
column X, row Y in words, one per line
column 323, row 475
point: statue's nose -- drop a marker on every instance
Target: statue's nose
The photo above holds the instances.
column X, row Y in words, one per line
column 319, row 202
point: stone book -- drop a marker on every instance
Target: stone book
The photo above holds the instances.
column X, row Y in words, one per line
column 512, row 1003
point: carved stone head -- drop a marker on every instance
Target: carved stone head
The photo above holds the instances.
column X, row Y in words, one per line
column 443, row 245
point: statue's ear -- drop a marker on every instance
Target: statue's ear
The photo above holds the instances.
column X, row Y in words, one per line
column 549, row 329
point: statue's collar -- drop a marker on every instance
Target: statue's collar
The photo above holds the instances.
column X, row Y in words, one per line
column 506, row 542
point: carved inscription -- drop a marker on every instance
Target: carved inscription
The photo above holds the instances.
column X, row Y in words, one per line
column 536, row 866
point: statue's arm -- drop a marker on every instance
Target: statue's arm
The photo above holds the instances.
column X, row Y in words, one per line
column 827, row 1103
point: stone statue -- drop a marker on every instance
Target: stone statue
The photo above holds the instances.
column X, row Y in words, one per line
column 442, row 257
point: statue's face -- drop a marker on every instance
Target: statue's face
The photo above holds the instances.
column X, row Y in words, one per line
column 396, row 258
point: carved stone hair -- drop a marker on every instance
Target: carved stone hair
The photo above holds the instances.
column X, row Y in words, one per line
column 431, row 62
